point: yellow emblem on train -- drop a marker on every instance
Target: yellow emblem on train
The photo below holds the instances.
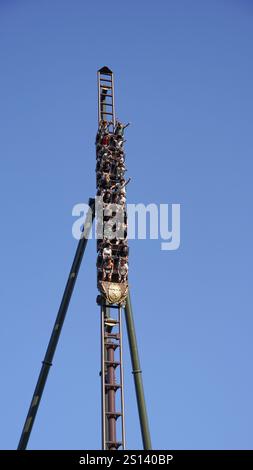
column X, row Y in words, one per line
column 114, row 292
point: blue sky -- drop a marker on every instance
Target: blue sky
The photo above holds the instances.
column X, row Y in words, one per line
column 183, row 72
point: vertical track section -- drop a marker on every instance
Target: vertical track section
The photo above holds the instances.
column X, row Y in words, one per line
column 106, row 106
column 112, row 377
column 106, row 112
column 112, row 381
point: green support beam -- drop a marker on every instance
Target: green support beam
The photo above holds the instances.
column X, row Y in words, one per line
column 137, row 373
column 47, row 362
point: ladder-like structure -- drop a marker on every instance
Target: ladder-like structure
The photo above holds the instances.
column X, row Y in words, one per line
column 112, row 381
column 106, row 107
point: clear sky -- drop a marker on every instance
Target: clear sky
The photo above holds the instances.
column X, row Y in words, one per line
column 184, row 74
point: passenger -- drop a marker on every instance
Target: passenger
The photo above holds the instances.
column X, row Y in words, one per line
column 122, row 270
column 124, row 184
column 116, row 198
column 121, row 230
column 107, row 197
column 116, row 186
column 120, row 154
column 124, row 252
column 120, row 170
column 106, row 154
column 112, row 144
column 98, row 178
column 99, row 149
column 102, row 129
column 105, row 181
column 105, row 140
column 122, row 198
column 121, row 160
column 119, row 143
column 107, row 251
column 121, row 186
column 108, row 269
column 117, row 243
column 120, row 128
column 106, row 167
column 103, row 126
column 110, row 229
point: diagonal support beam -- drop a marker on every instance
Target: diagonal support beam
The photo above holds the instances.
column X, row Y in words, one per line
column 47, row 362
column 137, row 373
